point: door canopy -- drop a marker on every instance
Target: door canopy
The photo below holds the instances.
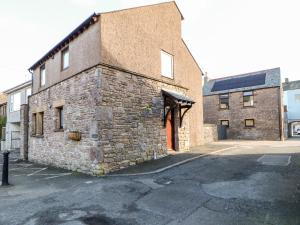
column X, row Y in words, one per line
column 177, row 100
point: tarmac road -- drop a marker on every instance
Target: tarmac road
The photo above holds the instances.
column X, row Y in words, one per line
column 254, row 183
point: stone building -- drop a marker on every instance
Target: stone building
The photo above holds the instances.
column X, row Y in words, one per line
column 16, row 96
column 3, row 103
column 249, row 105
column 292, row 105
column 121, row 89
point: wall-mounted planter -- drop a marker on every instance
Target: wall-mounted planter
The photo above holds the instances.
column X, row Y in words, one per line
column 74, row 135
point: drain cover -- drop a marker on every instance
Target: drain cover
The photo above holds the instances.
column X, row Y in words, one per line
column 275, row 160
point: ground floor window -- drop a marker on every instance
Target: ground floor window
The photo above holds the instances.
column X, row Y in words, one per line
column 59, row 121
column 249, row 123
column 37, row 123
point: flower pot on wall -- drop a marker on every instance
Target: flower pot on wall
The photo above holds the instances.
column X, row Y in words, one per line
column 74, row 135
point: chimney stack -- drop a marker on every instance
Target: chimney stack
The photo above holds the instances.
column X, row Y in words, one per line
column 205, row 77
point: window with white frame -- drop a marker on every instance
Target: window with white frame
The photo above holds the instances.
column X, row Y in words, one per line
column 65, row 58
column 42, row 75
column 167, row 65
column 15, row 102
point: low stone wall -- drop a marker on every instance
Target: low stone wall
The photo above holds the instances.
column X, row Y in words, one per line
column 119, row 116
column 210, row 133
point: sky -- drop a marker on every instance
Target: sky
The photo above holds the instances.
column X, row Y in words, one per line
column 226, row 37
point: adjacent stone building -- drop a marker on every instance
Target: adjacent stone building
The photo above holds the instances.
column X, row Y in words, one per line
column 292, row 107
column 121, row 89
column 249, row 105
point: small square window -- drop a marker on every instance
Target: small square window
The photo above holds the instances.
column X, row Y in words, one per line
column 65, row 59
column 249, row 123
column 224, row 101
column 42, row 75
column 225, row 123
column 248, row 98
column 167, row 63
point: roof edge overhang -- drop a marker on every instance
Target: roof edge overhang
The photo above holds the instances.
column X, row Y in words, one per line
column 74, row 34
column 18, row 87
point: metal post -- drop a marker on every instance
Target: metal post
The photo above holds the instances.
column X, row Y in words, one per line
column 5, row 169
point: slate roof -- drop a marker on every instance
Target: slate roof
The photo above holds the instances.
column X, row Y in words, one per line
column 243, row 82
column 292, row 85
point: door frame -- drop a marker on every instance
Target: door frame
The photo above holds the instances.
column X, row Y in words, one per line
column 172, row 111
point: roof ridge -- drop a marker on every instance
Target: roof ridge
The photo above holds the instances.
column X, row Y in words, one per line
column 144, row 6
column 244, row 74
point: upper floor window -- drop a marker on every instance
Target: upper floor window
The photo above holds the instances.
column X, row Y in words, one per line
column 248, row 98
column 224, row 101
column 15, row 102
column 167, row 65
column 42, row 75
column 65, row 60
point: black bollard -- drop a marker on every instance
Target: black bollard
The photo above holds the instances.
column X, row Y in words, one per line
column 5, row 169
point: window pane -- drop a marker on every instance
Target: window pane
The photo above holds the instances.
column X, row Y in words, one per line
column 224, row 101
column 15, row 102
column 248, row 101
column 249, row 123
column 225, row 123
column 166, row 64
column 43, row 75
column 65, row 58
column 61, row 118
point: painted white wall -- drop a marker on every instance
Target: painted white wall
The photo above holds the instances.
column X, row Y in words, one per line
column 292, row 100
column 14, row 119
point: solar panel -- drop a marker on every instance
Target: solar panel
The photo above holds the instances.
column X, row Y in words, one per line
column 240, row 82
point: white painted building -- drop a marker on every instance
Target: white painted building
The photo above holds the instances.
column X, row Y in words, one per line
column 16, row 97
column 292, row 104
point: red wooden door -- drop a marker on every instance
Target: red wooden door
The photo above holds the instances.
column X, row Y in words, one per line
column 170, row 130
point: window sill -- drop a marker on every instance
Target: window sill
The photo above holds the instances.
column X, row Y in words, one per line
column 37, row 135
column 245, row 107
column 64, row 69
column 59, row 130
column 169, row 78
column 220, row 109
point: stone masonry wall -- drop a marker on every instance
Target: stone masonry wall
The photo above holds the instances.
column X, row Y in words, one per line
column 265, row 113
column 118, row 114
column 210, row 133
column 79, row 97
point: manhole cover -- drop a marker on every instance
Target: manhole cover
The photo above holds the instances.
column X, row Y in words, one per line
column 275, row 160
